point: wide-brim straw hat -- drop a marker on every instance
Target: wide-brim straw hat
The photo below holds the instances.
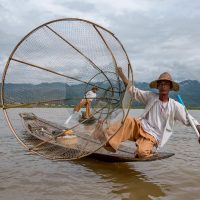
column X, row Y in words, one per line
column 165, row 77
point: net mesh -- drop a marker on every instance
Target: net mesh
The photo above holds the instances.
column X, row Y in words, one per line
column 49, row 72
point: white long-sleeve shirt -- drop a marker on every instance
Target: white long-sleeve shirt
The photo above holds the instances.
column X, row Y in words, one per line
column 158, row 119
column 90, row 95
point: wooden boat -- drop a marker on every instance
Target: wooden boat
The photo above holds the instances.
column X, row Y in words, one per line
column 48, row 138
column 87, row 121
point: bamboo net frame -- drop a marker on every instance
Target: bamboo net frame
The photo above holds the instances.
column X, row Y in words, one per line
column 112, row 48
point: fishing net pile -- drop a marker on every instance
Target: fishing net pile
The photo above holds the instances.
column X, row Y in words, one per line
column 49, row 71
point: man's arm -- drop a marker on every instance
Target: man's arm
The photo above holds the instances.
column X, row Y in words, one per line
column 181, row 116
column 122, row 75
column 139, row 95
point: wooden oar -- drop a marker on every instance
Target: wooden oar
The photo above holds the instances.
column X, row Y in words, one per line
column 68, row 119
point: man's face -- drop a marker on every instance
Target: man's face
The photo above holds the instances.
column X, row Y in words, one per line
column 94, row 90
column 164, row 87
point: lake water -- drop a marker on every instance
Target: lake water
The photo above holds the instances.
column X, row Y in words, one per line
column 31, row 177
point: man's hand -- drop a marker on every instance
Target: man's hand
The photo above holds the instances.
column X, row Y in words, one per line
column 122, row 75
column 198, row 128
column 119, row 71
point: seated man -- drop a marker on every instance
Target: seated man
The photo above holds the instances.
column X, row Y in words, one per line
column 155, row 125
column 88, row 98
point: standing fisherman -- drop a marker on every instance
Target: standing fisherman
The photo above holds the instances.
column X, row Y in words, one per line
column 86, row 101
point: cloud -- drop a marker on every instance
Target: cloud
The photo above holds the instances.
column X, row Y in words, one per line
column 159, row 35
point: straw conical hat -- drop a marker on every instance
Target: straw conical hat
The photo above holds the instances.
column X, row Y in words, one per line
column 165, row 77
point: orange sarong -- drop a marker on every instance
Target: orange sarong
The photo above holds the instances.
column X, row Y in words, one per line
column 86, row 103
column 130, row 130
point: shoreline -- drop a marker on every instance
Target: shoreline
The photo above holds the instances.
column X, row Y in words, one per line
column 72, row 106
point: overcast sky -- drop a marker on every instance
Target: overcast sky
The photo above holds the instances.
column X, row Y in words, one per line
column 158, row 35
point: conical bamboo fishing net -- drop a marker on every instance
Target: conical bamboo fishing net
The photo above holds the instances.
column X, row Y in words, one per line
column 49, row 71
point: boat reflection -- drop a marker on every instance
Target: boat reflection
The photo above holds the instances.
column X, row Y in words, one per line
column 126, row 181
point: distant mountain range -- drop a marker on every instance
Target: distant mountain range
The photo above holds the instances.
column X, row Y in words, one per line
column 25, row 93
